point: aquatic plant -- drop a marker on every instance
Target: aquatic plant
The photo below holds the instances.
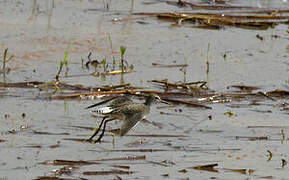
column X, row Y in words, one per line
column 111, row 49
column 104, row 64
column 56, row 82
column 108, row 64
column 122, row 51
column 207, row 60
column 65, row 61
column 4, row 61
column 62, row 62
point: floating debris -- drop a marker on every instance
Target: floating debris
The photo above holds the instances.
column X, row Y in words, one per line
column 270, row 155
column 47, row 133
column 181, row 3
column 284, row 163
column 109, row 172
column 278, row 127
column 207, row 167
column 33, row 146
column 52, row 178
column 242, row 171
column 127, row 158
column 121, row 166
column 244, row 88
column 282, row 136
column 161, row 150
column 67, row 170
column 278, row 93
column 60, row 162
column 169, row 65
column 55, row 145
column 165, row 175
column 76, row 139
column 158, row 135
column 188, row 90
column 229, row 113
column 183, row 171
column 177, row 85
column 213, row 20
column 252, row 138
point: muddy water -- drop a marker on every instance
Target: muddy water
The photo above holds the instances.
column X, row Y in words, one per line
column 37, row 35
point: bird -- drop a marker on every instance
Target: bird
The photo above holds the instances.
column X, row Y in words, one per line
column 124, row 109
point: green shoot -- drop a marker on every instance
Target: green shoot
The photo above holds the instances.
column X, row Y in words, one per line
column 122, row 51
column 5, row 60
column 55, row 83
column 82, row 62
column 4, row 63
column 5, row 54
column 65, row 61
column 185, row 70
column 110, row 45
column 207, row 61
column 103, row 62
column 110, row 41
column 59, row 70
column 113, row 64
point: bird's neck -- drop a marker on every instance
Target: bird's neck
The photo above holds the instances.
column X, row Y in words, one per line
column 149, row 101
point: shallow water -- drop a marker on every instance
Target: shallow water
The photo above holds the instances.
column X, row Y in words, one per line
column 38, row 41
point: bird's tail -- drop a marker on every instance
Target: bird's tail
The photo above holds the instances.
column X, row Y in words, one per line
column 103, row 110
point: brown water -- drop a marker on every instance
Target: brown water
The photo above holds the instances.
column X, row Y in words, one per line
column 37, row 35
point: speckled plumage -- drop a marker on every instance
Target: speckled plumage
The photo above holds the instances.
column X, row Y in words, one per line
column 113, row 104
column 130, row 114
column 124, row 109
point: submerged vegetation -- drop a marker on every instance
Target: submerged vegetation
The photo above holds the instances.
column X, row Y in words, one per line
column 108, row 65
column 5, row 60
column 56, row 82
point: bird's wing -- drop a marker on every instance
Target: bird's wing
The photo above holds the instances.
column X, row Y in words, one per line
column 133, row 114
column 114, row 102
column 120, row 102
column 101, row 103
column 129, row 123
column 103, row 110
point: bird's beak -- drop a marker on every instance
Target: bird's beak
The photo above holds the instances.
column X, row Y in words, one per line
column 161, row 101
column 165, row 102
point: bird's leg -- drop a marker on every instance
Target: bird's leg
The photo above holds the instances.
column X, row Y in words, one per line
column 97, row 130
column 102, row 133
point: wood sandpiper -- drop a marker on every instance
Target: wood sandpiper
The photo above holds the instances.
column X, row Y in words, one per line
column 124, row 109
